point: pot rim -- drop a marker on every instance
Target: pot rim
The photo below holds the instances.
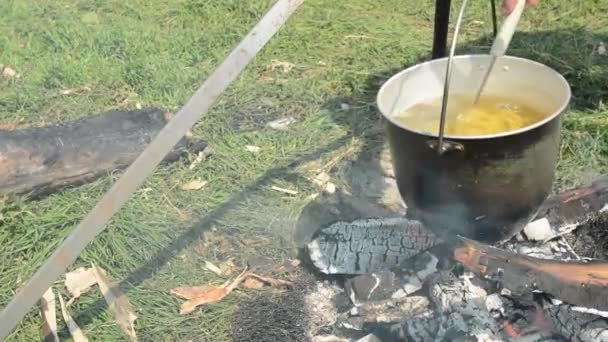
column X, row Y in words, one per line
column 547, row 119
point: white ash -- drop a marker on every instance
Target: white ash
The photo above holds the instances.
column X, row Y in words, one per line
column 385, row 312
column 320, row 306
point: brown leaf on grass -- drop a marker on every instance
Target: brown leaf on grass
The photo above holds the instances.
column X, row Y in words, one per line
column 252, row 283
column 49, row 316
column 77, row 334
column 118, row 303
column 206, row 294
column 194, row 185
column 79, row 281
column 190, row 292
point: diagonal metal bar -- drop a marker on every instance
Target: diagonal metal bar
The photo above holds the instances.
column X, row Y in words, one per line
column 96, row 221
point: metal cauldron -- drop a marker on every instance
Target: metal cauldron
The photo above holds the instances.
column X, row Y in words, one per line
column 482, row 187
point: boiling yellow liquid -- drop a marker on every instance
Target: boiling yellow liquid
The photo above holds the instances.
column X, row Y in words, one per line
column 490, row 115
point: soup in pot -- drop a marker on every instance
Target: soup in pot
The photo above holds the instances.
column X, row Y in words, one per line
column 490, row 115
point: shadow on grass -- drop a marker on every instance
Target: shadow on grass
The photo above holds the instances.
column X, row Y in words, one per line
column 571, row 52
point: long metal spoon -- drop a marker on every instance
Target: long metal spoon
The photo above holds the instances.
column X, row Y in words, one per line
column 448, row 76
column 501, row 42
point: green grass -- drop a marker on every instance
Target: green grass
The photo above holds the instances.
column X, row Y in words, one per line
column 157, row 52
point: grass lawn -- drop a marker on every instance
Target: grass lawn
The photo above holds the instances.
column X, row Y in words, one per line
column 119, row 54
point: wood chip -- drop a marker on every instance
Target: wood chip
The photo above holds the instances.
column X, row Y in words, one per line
column 209, row 266
column 75, row 331
column 206, row 294
column 118, row 303
column 49, row 316
column 79, row 281
column 286, row 191
column 194, row 185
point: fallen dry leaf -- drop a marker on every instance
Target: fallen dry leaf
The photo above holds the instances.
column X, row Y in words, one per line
column 209, row 266
column 77, row 334
column 295, row 262
column 194, row 185
column 79, row 281
column 190, row 292
column 49, row 316
column 286, row 191
column 252, row 283
column 118, row 303
column 208, row 294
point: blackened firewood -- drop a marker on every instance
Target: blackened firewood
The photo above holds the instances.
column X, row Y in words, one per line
column 578, row 283
column 41, row 160
column 368, row 245
column 562, row 213
column 577, row 326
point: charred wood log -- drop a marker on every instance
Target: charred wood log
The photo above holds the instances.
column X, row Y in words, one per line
column 379, row 244
column 369, row 245
column 579, row 283
column 562, row 213
column 41, row 160
column 577, row 326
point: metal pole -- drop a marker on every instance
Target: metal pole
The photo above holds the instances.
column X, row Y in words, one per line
column 440, row 29
column 95, row 222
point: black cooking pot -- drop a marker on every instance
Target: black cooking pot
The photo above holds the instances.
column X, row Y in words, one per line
column 482, row 187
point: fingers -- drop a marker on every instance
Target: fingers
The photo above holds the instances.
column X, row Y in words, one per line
column 509, row 5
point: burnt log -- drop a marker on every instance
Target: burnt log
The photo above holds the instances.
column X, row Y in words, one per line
column 368, row 245
column 578, row 283
column 577, row 326
column 41, row 160
column 562, row 213
column 376, row 244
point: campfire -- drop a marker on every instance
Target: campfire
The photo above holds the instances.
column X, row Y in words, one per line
column 405, row 284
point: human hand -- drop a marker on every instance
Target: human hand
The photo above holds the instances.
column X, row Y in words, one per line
column 509, row 5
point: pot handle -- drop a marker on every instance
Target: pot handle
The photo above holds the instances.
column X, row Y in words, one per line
column 447, row 146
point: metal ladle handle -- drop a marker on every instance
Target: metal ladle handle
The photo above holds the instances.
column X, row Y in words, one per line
column 448, row 76
column 499, row 48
